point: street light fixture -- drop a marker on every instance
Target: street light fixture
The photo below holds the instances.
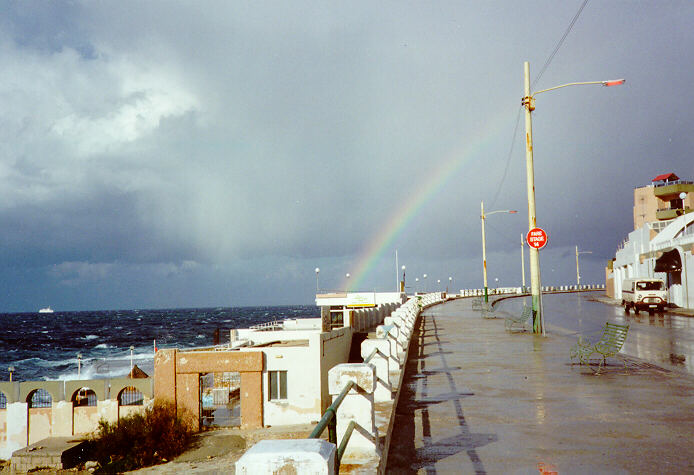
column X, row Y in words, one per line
column 450, row 283
column 424, row 284
column 528, row 103
column 79, row 364
column 483, row 216
column 416, row 284
column 578, row 274
column 11, row 370
column 317, row 272
column 402, row 285
column 132, row 348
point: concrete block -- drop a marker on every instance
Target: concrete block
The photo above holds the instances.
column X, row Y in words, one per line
column 363, row 375
column 314, row 456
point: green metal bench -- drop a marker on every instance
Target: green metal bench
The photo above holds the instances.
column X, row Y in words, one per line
column 518, row 322
column 610, row 343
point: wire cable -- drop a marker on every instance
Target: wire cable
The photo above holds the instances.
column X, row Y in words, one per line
column 561, row 42
column 508, row 159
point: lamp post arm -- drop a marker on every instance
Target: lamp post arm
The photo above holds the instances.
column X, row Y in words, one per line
column 484, row 215
column 613, row 82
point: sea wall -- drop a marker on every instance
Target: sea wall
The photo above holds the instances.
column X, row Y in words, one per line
column 33, row 410
column 369, row 407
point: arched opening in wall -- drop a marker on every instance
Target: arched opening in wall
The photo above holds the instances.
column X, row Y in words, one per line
column 220, row 404
column 85, row 414
column 671, row 263
column 130, row 400
column 40, row 404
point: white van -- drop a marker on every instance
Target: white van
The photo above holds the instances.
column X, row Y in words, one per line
column 644, row 294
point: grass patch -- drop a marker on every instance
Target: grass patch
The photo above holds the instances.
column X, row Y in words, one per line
column 140, row 440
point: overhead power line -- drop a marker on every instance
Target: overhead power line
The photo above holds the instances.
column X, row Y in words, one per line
column 561, row 42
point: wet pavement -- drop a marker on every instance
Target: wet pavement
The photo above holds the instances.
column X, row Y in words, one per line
column 477, row 399
column 665, row 339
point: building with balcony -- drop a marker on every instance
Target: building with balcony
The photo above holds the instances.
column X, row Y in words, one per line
column 661, row 244
column 661, row 201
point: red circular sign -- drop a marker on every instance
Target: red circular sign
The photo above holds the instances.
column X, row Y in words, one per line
column 536, row 238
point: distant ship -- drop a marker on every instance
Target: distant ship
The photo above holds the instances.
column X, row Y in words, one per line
column 46, row 310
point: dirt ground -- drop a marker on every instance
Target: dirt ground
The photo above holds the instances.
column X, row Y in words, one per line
column 216, row 451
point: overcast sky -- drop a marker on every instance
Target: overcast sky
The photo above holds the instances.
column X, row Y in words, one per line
column 194, row 154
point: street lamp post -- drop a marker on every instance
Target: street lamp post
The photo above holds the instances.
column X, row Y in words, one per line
column 79, row 364
column 416, row 284
column 11, row 370
column 484, row 246
column 578, row 273
column 317, row 272
column 450, row 283
column 132, row 348
column 402, row 284
column 424, row 283
column 528, row 103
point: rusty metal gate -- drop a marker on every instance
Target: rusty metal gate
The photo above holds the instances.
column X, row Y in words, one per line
column 220, row 405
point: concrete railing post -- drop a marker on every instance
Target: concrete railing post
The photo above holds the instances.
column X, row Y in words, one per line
column 357, row 406
column 391, row 333
column 384, row 390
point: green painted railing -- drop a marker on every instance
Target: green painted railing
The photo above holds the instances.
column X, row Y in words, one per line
column 329, row 420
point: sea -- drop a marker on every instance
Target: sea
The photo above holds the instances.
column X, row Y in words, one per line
column 45, row 346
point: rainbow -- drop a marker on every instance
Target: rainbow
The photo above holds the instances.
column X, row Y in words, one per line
column 383, row 241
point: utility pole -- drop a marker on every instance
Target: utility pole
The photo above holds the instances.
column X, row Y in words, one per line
column 535, row 285
column 484, row 256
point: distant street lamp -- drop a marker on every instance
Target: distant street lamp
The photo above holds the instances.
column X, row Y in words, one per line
column 11, row 370
column 483, row 216
column 132, row 348
column 450, row 283
column 578, row 274
column 528, row 102
column 416, row 284
column 424, row 283
column 317, row 272
column 402, row 286
column 79, row 364
column 496, row 279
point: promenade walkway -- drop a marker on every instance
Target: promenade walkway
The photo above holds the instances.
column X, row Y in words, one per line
column 477, row 399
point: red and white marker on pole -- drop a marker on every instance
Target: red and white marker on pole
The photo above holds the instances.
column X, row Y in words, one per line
column 536, row 238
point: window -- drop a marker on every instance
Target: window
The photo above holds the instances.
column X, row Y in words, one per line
column 40, row 398
column 130, row 396
column 277, row 385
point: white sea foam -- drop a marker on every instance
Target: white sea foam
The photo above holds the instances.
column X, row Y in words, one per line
column 90, row 337
column 103, row 346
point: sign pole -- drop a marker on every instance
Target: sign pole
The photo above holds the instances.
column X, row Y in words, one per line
column 535, row 288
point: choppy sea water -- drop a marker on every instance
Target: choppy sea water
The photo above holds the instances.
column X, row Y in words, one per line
column 45, row 346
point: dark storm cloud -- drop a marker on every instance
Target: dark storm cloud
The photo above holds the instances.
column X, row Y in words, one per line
column 166, row 154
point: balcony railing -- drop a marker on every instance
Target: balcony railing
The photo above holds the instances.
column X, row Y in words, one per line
column 674, row 182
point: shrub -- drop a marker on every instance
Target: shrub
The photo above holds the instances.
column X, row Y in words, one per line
column 141, row 439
